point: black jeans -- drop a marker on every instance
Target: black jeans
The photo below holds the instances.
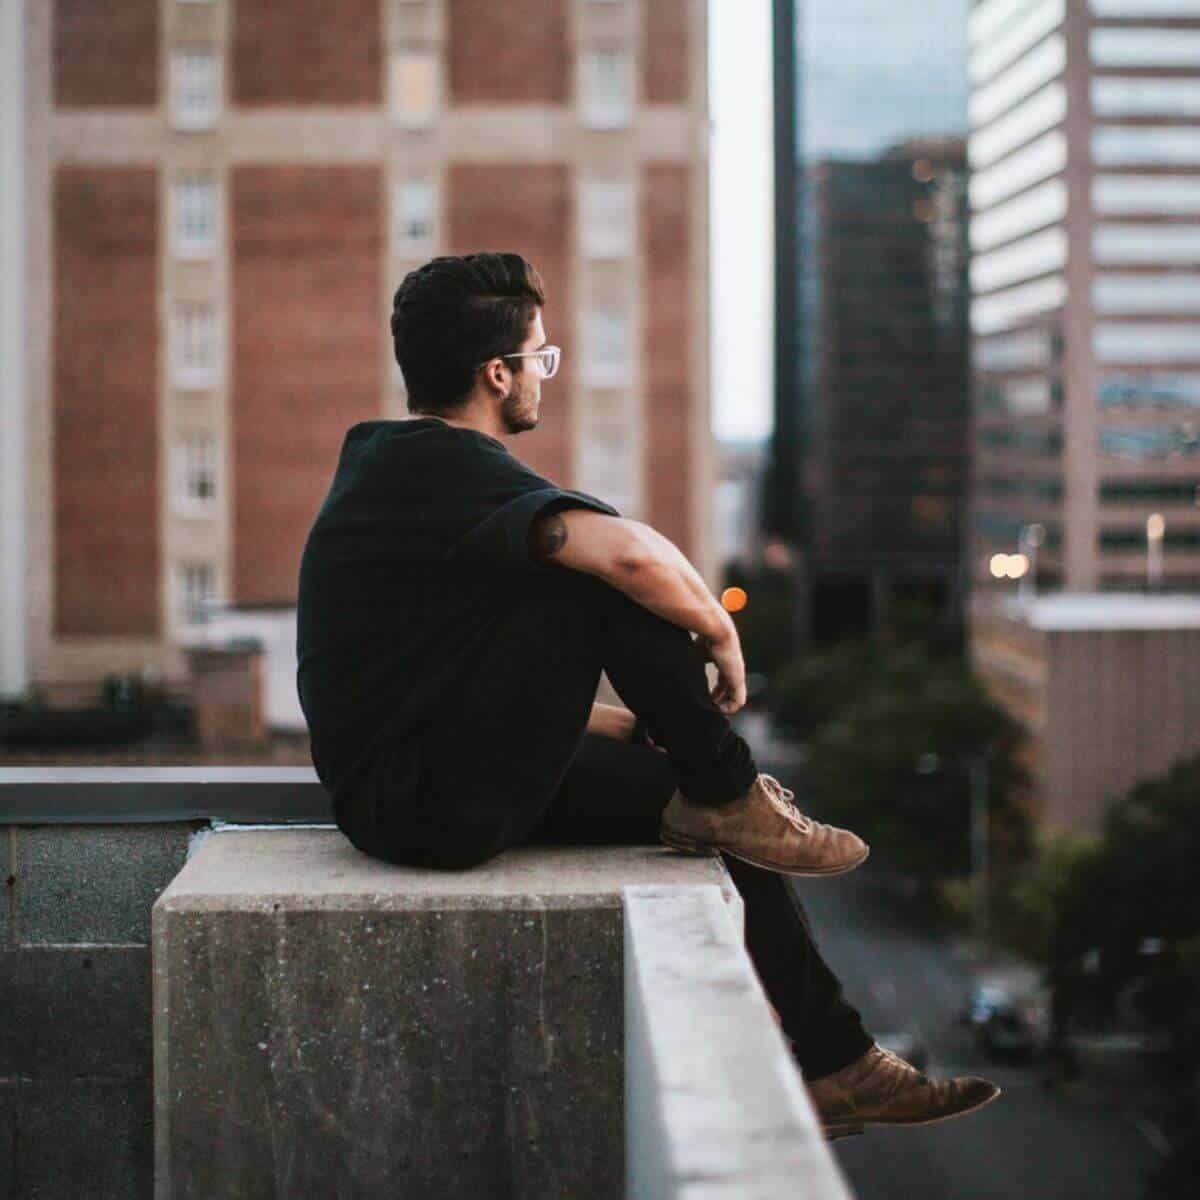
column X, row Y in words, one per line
column 508, row 761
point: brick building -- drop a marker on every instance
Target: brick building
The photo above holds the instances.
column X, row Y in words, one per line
column 1085, row 231
column 219, row 199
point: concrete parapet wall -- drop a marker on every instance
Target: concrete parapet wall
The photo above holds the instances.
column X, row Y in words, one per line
column 76, row 1082
column 329, row 1024
column 714, row 1104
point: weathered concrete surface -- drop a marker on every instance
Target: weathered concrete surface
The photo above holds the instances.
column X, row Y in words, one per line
column 93, row 883
column 330, row 1025
column 715, row 1106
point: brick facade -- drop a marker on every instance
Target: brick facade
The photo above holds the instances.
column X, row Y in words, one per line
column 307, row 339
column 665, row 61
column 90, row 37
column 307, row 52
column 510, row 53
column 105, row 401
column 527, row 209
column 667, row 349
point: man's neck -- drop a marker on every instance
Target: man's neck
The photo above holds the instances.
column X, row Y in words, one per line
column 462, row 423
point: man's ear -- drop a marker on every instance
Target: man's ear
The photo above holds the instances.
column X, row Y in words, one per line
column 496, row 373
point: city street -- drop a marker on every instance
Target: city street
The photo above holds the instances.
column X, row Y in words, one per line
column 1031, row 1143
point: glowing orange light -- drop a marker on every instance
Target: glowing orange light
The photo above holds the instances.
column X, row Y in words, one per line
column 733, row 599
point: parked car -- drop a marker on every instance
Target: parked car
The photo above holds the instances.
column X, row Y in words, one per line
column 1001, row 1031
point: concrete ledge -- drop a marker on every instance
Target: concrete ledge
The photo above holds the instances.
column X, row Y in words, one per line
column 326, row 1023
column 714, row 1104
column 120, row 795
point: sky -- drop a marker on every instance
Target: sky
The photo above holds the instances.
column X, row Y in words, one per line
column 875, row 71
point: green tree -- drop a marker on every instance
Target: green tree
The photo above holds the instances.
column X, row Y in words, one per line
column 1128, row 926
column 895, row 766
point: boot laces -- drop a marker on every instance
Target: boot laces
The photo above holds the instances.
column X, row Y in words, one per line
column 907, row 1070
column 781, row 799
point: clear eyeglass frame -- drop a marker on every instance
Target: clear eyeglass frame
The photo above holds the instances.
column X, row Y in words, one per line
column 548, row 359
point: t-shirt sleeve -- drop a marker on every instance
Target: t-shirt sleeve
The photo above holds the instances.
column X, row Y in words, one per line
column 501, row 539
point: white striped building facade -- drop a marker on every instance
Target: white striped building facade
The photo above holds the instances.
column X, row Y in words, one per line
column 1084, row 153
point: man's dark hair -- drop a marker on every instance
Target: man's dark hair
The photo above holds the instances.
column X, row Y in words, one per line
column 456, row 312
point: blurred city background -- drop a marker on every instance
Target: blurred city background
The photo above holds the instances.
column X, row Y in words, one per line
column 884, row 311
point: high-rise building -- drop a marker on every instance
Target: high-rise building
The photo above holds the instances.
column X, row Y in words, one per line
column 866, row 475
column 221, row 197
column 885, row 457
column 1085, row 232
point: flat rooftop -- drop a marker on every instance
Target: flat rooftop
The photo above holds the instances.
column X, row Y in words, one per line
column 1080, row 611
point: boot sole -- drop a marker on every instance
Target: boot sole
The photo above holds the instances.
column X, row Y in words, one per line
column 689, row 845
column 847, row 1128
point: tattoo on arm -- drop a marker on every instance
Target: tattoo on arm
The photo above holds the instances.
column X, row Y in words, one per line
column 548, row 536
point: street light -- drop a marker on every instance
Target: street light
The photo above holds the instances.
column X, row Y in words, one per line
column 1029, row 539
column 1156, row 526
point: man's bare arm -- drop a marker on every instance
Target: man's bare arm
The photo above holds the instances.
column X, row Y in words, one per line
column 649, row 568
column 635, row 558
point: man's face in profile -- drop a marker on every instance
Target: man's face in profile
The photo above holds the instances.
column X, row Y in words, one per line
column 520, row 410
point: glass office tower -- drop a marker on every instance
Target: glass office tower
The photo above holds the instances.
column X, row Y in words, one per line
column 872, row 255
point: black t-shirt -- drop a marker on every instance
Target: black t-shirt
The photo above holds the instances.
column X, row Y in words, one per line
column 420, row 540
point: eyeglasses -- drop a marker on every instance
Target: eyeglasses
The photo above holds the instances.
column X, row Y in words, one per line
column 548, row 359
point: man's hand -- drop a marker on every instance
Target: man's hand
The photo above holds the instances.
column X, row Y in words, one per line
column 725, row 651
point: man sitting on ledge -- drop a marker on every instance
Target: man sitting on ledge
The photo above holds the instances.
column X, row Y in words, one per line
column 456, row 610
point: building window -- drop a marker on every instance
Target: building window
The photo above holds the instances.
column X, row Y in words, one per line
column 1004, row 528
column 1029, row 165
column 1151, row 491
column 196, row 468
column 194, row 345
column 1117, row 96
column 607, row 89
column 1167, row 244
column 197, row 592
column 1041, row 443
column 1146, row 194
column 195, row 90
column 414, row 82
column 1135, row 445
column 1040, row 112
column 1134, row 538
column 1147, row 293
column 1149, row 391
column 1001, row 310
column 1026, row 75
column 1145, row 8
column 607, row 220
column 1022, row 397
column 1166, row 144
column 1031, row 256
column 1141, row 47
column 1146, row 343
column 1035, row 209
column 1013, row 351
column 1011, row 39
column 414, row 214
column 195, row 216
column 606, row 348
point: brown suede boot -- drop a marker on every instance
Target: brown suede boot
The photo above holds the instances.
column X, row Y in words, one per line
column 765, row 828
column 881, row 1088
